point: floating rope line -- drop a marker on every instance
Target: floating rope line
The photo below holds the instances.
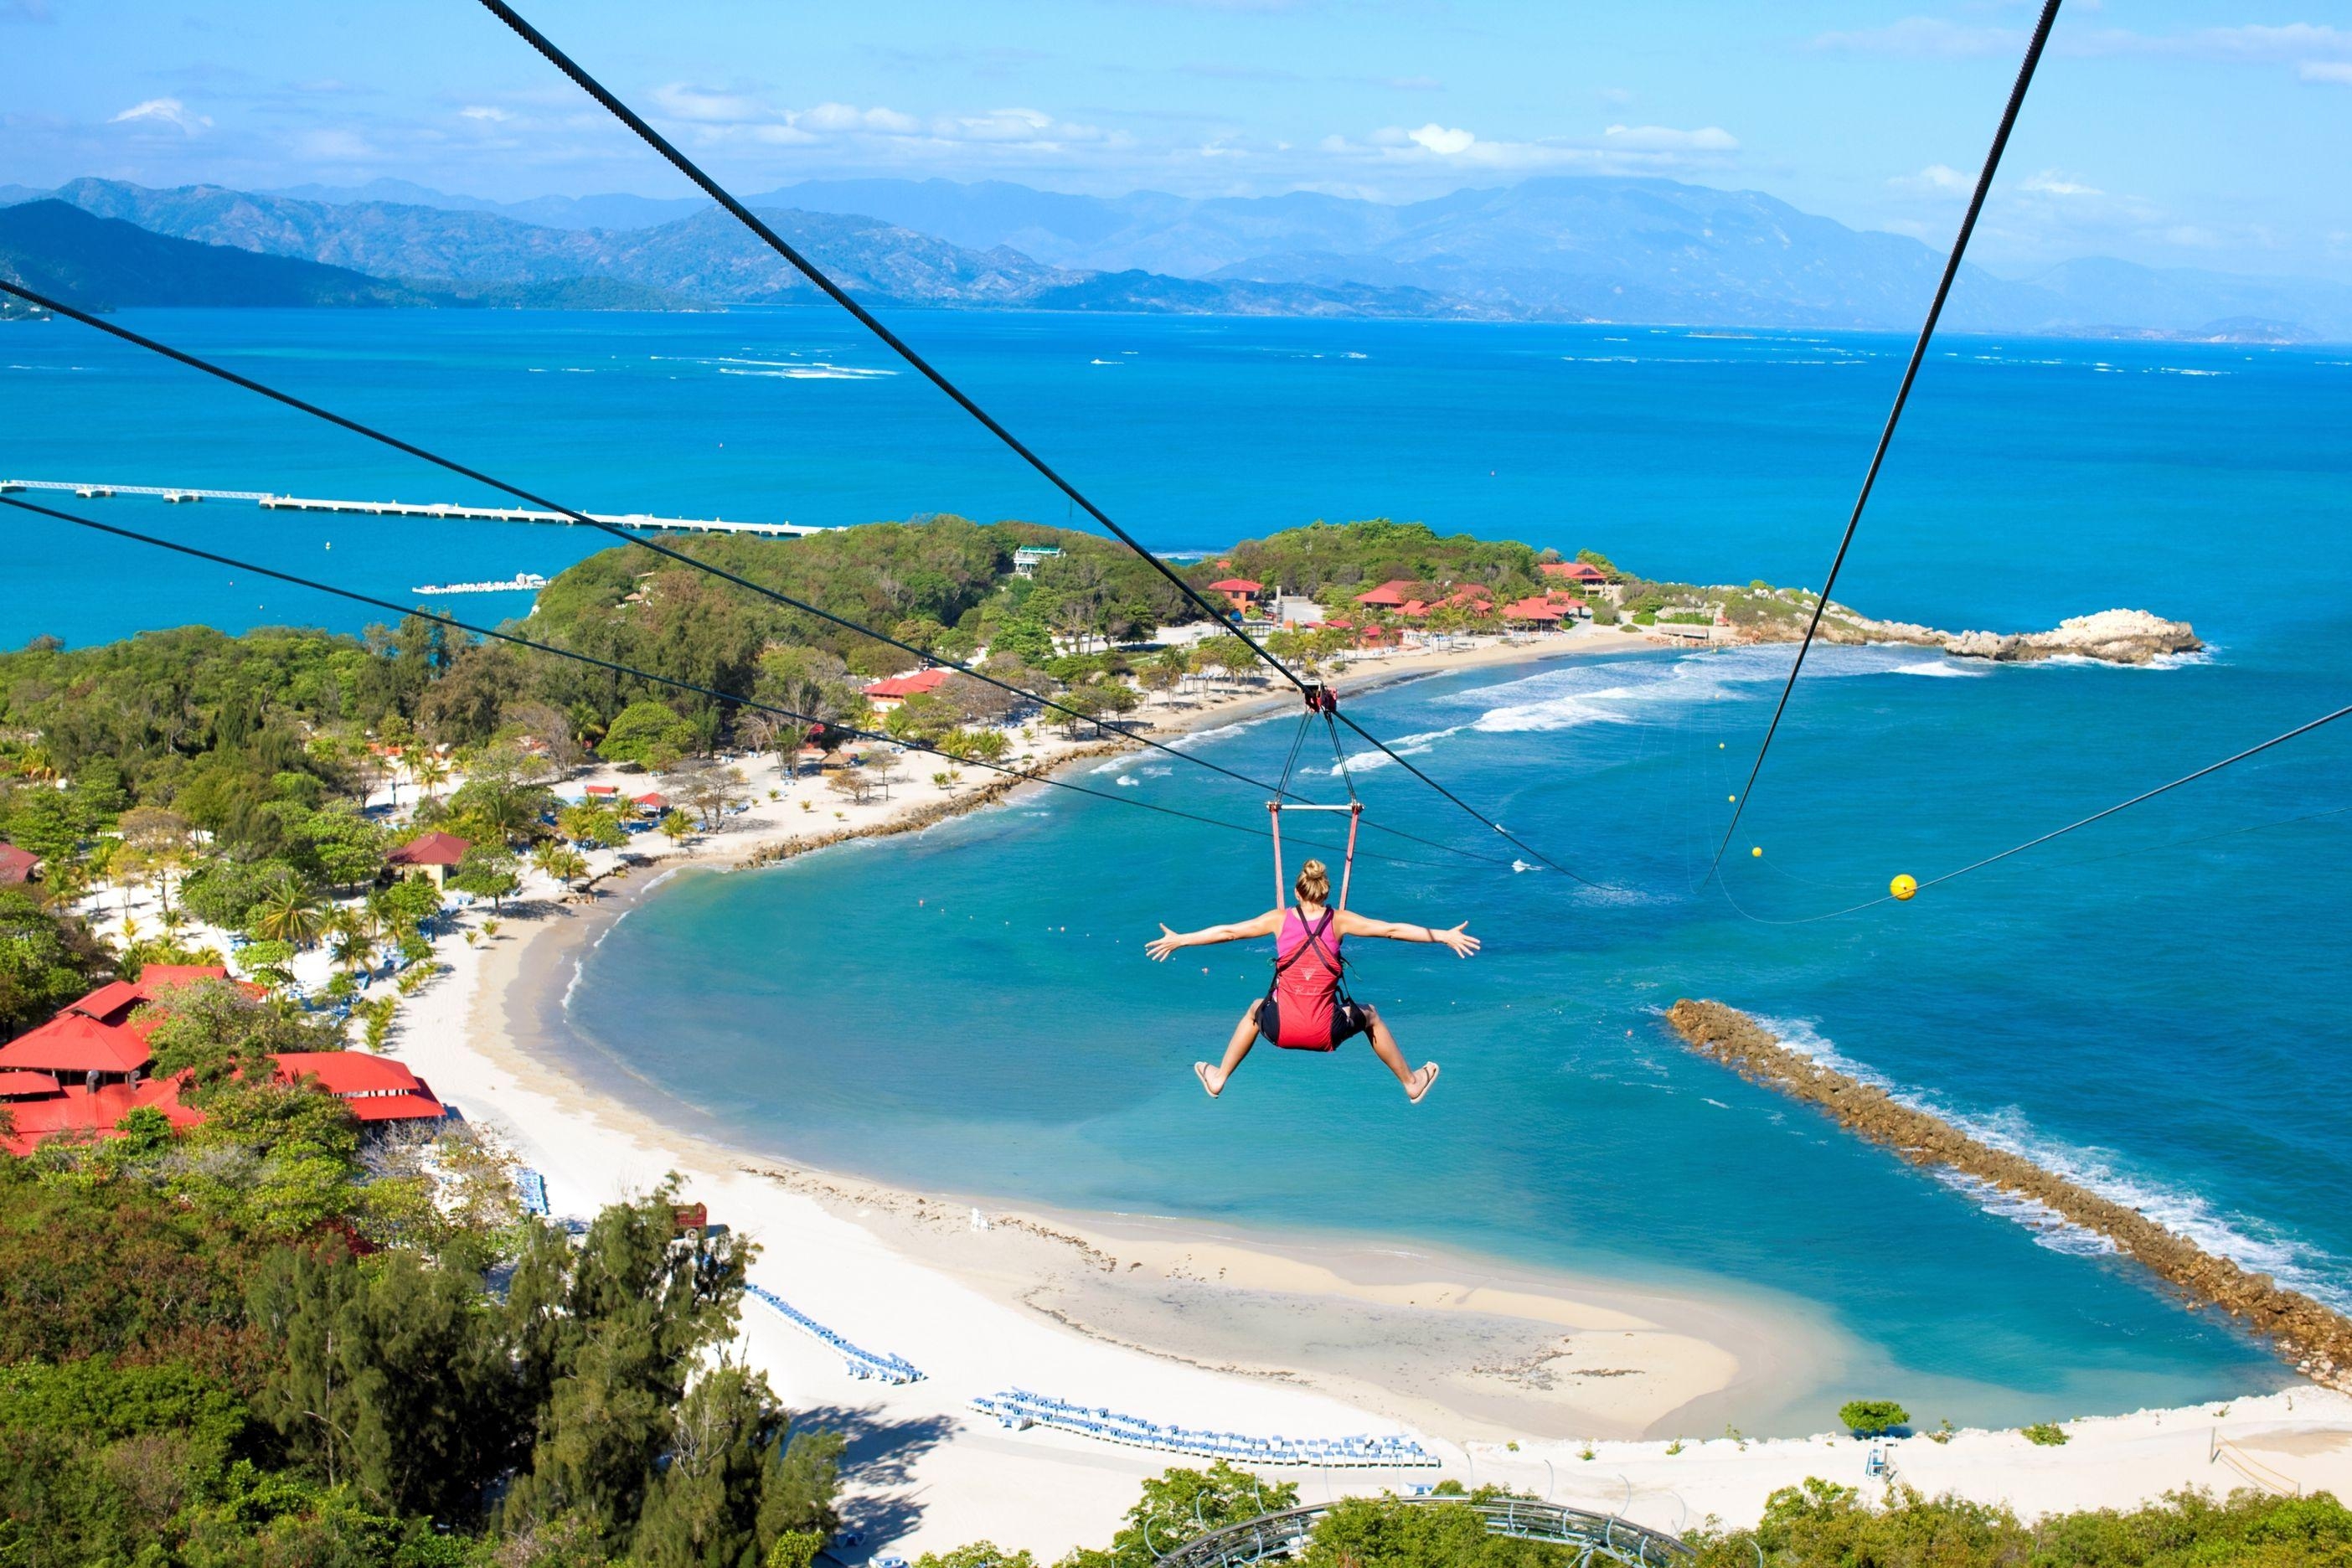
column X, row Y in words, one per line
column 1902, row 397
column 618, row 531
column 615, row 667
column 2147, row 795
column 898, row 345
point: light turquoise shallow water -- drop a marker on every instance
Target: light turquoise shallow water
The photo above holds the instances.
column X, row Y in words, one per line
column 2157, row 1005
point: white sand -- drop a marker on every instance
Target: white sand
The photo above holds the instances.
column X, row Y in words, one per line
column 898, row 1273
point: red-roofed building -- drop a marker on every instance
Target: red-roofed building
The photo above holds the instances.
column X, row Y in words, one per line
column 434, row 853
column 1576, row 571
column 377, row 1088
column 600, row 791
column 1389, row 595
column 84, row 1070
column 36, row 1115
column 101, row 1034
column 1534, row 612
column 653, row 803
column 1239, row 592
column 887, row 694
column 16, row 865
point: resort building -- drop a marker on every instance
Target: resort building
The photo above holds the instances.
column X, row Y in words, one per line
column 887, row 694
column 1241, row 593
column 1389, row 596
column 1025, row 559
column 18, row 866
column 87, row 1068
column 1534, row 613
column 434, row 855
column 1297, row 610
column 1577, row 573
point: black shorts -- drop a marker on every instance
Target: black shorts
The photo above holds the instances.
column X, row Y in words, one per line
column 1348, row 1021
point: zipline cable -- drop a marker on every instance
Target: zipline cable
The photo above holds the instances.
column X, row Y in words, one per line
column 451, row 465
column 1902, row 396
column 614, row 666
column 839, row 296
column 2278, row 740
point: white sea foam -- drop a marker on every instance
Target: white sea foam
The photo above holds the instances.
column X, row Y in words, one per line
column 1946, row 669
column 811, row 373
column 1102, row 362
column 1128, row 781
column 2249, row 1242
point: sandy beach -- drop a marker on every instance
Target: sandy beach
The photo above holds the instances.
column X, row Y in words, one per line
column 1576, row 1389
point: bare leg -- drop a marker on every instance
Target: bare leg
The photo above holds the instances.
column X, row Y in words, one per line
column 1385, row 1046
column 1212, row 1079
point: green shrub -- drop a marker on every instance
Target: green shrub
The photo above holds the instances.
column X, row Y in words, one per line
column 1869, row 1418
column 2044, row 1433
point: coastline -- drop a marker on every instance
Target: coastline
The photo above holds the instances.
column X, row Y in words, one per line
column 1184, row 1320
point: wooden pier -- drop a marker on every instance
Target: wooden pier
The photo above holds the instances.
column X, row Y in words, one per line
column 183, row 495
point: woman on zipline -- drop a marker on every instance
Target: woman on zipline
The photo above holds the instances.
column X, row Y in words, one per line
column 1307, row 1007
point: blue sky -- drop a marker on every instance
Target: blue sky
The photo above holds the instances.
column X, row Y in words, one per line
column 2178, row 134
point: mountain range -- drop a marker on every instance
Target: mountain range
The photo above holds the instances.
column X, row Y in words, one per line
column 1581, row 249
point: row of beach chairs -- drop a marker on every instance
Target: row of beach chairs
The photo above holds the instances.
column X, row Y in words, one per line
column 1015, row 1408
column 862, row 1363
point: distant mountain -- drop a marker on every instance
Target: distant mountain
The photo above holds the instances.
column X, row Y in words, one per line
column 1556, row 249
column 100, row 263
column 706, row 256
column 612, row 211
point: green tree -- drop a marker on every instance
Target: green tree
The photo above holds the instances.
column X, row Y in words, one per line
column 487, row 872
column 288, row 911
column 1183, row 1503
column 46, row 960
column 1869, row 1418
column 649, row 734
column 597, row 826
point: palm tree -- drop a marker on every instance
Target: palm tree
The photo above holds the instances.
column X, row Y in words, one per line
column 430, row 770
column 290, row 913
column 354, row 949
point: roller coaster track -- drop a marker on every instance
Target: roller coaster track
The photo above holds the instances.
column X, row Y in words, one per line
column 1594, row 1537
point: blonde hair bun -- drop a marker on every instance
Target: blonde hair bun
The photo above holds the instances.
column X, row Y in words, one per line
column 1314, row 884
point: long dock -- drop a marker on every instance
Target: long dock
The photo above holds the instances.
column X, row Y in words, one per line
column 181, row 495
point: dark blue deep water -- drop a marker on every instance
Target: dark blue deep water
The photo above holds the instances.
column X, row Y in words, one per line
column 2158, row 1004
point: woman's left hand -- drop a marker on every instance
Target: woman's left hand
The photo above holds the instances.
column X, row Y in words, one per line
column 1166, row 942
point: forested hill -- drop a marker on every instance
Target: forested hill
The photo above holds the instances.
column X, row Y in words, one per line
column 100, row 263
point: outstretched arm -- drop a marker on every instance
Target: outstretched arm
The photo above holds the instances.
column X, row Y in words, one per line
column 1458, row 938
column 1168, row 940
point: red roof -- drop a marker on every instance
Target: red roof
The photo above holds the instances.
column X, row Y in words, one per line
column 99, row 1033
column 1532, row 610
column 1235, row 585
column 1575, row 571
column 16, row 865
column 377, row 1088
column 1390, row 592
column 96, row 1112
column 913, row 685
column 431, row 850
column 602, row 789
column 652, row 800
column 17, row 1084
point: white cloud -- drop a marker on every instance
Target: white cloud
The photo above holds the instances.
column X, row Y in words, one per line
column 163, row 112
column 2050, row 183
column 2328, row 70
column 1924, row 35
column 1444, row 143
column 484, row 112
column 1666, row 139
column 719, row 115
column 1934, row 177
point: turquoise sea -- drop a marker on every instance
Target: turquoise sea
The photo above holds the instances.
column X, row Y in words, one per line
column 2157, row 1005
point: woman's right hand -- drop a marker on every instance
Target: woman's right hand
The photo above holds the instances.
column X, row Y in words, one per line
column 1166, row 942
column 1458, row 938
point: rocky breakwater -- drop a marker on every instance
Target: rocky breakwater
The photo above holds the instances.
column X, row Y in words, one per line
column 2316, row 1340
column 2114, row 636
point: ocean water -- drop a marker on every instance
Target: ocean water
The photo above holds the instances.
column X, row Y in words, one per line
column 2157, row 1005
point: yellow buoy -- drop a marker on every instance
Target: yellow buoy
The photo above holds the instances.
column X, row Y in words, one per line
column 1757, row 852
column 1903, row 886
column 1731, row 797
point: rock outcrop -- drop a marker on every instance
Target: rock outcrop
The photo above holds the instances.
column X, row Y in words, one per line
column 2314, row 1339
column 2116, row 637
